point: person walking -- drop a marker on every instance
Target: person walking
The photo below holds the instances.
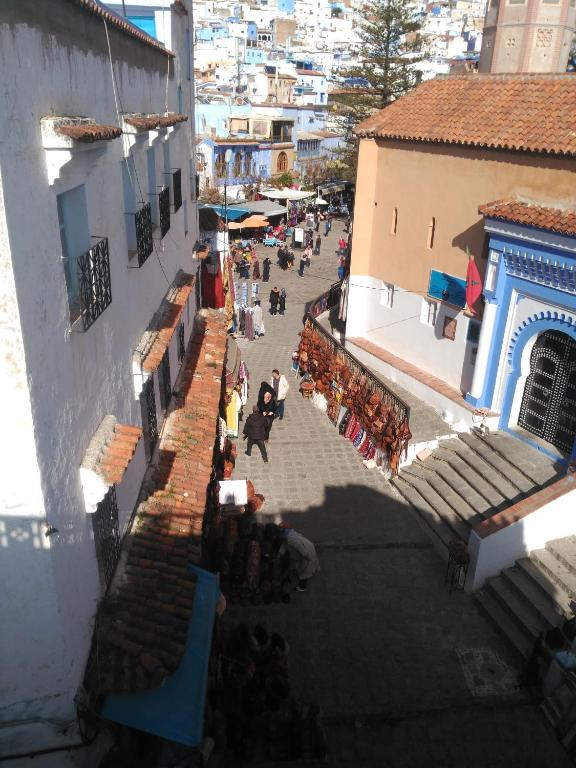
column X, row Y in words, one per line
column 256, row 269
column 302, row 264
column 280, row 385
column 329, row 221
column 266, row 269
column 267, row 405
column 282, row 301
column 326, row 226
column 255, row 431
column 274, row 299
column 318, row 246
column 342, row 246
column 308, row 254
column 317, row 222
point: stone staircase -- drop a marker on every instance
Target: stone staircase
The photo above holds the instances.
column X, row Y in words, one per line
column 533, row 595
column 469, row 478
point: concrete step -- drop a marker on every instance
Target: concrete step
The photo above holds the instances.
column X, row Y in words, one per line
column 486, row 469
column 562, row 578
column 499, row 462
column 459, row 485
column 424, row 510
column 526, row 590
column 559, row 600
column 527, row 619
column 467, row 471
column 454, row 522
column 500, row 617
column 453, row 498
column 533, row 464
column 564, row 550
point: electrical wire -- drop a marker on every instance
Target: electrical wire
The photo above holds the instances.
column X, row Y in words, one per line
column 128, row 154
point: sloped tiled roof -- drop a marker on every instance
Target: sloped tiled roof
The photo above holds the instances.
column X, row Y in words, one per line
column 524, row 113
column 97, row 9
column 88, row 132
column 157, row 337
column 311, row 72
column 559, row 220
column 142, row 625
column 152, row 122
column 111, row 449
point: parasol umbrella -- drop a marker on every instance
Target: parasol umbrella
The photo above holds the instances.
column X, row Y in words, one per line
column 320, row 201
column 254, row 221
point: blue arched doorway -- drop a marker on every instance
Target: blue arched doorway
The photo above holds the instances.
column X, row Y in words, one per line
column 548, row 406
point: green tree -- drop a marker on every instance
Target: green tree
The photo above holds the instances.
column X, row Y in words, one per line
column 390, row 50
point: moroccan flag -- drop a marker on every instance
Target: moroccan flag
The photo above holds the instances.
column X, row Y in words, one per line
column 473, row 284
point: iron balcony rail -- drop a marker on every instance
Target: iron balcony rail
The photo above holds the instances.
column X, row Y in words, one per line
column 143, row 222
column 177, row 189
column 89, row 287
column 164, row 206
column 400, row 408
column 326, row 301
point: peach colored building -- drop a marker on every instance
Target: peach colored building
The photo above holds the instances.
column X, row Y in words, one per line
column 426, row 165
column 527, row 35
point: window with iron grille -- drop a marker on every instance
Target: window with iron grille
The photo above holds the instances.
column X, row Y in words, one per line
column 164, row 203
column 177, row 189
column 181, row 345
column 92, row 276
column 149, row 420
column 165, row 383
column 106, row 536
column 143, row 221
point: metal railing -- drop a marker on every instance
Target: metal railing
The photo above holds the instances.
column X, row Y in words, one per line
column 93, row 290
column 326, row 301
column 396, row 405
column 177, row 189
column 143, row 223
column 164, row 206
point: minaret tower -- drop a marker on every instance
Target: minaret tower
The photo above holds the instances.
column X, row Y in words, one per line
column 527, row 35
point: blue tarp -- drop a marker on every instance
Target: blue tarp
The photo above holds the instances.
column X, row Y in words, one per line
column 175, row 711
column 233, row 213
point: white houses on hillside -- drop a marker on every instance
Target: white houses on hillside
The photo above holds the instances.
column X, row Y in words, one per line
column 98, row 223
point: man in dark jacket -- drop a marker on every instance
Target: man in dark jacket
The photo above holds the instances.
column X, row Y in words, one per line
column 255, row 430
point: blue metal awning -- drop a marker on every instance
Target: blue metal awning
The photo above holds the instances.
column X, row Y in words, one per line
column 233, row 214
column 175, row 711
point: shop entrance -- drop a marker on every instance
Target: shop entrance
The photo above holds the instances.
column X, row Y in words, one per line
column 548, row 407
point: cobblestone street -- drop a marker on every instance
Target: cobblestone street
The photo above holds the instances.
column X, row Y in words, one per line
column 406, row 675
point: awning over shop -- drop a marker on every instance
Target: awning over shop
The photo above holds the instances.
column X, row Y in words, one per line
column 328, row 189
column 233, row 214
column 175, row 711
column 266, row 208
column 287, row 194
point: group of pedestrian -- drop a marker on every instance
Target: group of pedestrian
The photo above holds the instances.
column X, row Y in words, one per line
column 277, row 301
column 270, row 406
column 285, row 257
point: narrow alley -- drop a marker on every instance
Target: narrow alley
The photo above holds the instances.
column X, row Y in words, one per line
column 406, row 674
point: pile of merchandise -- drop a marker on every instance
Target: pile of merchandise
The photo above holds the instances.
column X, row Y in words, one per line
column 252, row 714
column 252, row 559
column 352, row 394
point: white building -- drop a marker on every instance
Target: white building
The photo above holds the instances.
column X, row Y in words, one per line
column 98, row 223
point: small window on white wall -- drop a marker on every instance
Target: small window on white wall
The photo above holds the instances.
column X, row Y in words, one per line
column 428, row 312
column 387, row 295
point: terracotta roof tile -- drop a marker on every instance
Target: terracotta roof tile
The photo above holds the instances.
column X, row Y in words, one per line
column 111, row 449
column 523, row 113
column 152, row 122
column 89, row 132
column 143, row 623
column 107, row 15
column 158, row 335
column 311, row 72
column 560, row 220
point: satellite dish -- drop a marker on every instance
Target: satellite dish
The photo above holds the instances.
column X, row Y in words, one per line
column 228, row 155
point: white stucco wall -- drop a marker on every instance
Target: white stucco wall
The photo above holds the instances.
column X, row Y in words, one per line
column 59, row 384
column 500, row 550
column 399, row 330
